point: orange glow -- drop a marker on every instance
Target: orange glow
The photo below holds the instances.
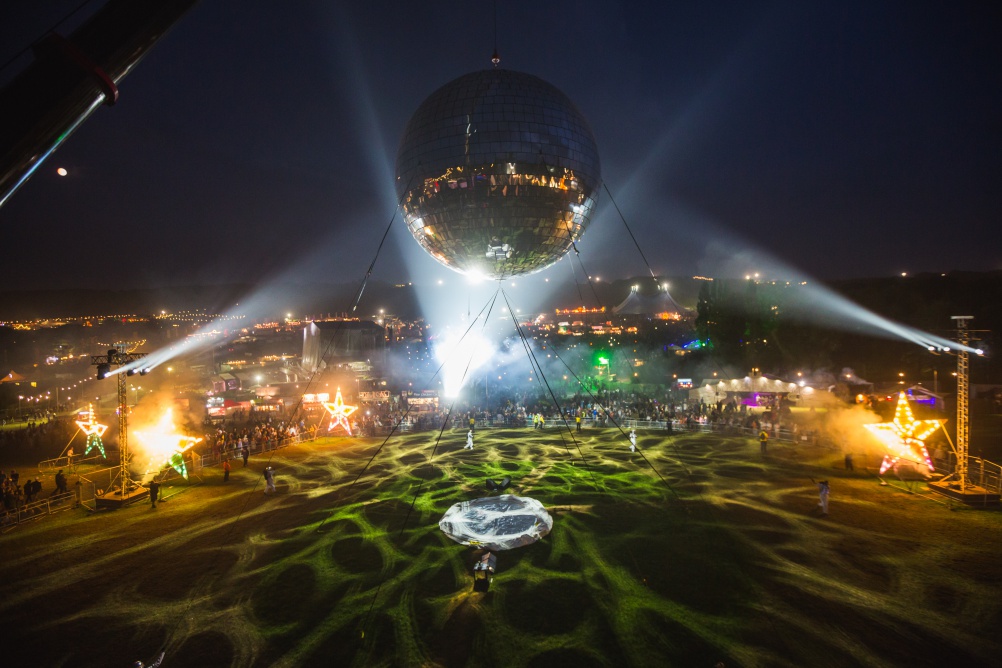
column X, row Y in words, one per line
column 905, row 436
column 165, row 446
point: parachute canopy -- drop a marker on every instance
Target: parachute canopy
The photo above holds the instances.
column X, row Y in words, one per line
column 497, row 522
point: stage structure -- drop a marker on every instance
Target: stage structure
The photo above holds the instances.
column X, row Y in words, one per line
column 127, row 490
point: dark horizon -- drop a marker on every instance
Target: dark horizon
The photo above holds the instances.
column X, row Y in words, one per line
column 256, row 143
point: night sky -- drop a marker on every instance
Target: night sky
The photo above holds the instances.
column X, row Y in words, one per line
column 257, row 140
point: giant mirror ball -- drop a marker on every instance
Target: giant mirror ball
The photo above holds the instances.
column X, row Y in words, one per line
column 497, row 174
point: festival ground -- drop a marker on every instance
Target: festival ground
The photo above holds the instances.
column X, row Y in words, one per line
column 727, row 559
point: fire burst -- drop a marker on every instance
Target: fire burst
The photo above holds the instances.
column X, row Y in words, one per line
column 93, row 429
column 165, row 446
column 905, row 436
column 339, row 412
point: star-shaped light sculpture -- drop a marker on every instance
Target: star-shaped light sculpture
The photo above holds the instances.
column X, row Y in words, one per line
column 165, row 446
column 339, row 412
column 905, row 436
column 93, row 429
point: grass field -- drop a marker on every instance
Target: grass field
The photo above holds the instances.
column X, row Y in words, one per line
column 710, row 553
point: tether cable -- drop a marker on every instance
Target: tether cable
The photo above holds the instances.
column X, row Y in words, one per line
column 208, row 577
column 363, row 624
column 623, row 432
column 542, row 377
column 392, row 431
column 627, row 226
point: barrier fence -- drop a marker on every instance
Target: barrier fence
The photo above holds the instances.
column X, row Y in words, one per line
column 65, row 462
column 980, row 472
column 29, row 512
column 215, row 457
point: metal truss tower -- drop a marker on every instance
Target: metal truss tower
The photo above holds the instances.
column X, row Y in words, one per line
column 121, row 357
column 963, row 399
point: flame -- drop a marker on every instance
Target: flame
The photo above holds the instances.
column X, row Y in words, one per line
column 165, row 446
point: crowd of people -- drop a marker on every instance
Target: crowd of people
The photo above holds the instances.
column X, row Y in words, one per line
column 36, row 436
column 666, row 409
column 241, row 435
column 18, row 495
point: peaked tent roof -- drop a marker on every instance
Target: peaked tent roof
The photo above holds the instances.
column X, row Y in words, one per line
column 12, row 377
column 638, row 304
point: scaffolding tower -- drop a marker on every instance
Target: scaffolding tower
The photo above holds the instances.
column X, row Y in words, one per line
column 963, row 400
column 974, row 482
column 128, row 365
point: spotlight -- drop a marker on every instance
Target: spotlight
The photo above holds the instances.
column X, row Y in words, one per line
column 103, row 371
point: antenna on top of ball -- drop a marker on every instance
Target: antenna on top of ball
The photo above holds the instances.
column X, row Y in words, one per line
column 496, row 59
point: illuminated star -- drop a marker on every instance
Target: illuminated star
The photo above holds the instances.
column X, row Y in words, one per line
column 93, row 429
column 165, row 446
column 339, row 412
column 905, row 436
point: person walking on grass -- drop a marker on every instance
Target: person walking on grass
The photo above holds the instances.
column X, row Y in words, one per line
column 226, row 470
column 823, row 490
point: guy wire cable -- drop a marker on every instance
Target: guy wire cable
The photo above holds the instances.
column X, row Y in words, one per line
column 208, row 577
column 355, row 302
column 538, row 370
column 392, row 431
column 627, row 226
column 587, row 276
column 577, row 285
column 364, row 622
column 621, row 431
column 445, row 423
column 542, row 376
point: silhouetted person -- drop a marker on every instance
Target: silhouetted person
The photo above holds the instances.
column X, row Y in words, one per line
column 60, row 483
column 154, row 493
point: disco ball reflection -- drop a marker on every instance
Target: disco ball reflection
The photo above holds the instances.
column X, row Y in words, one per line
column 498, row 174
